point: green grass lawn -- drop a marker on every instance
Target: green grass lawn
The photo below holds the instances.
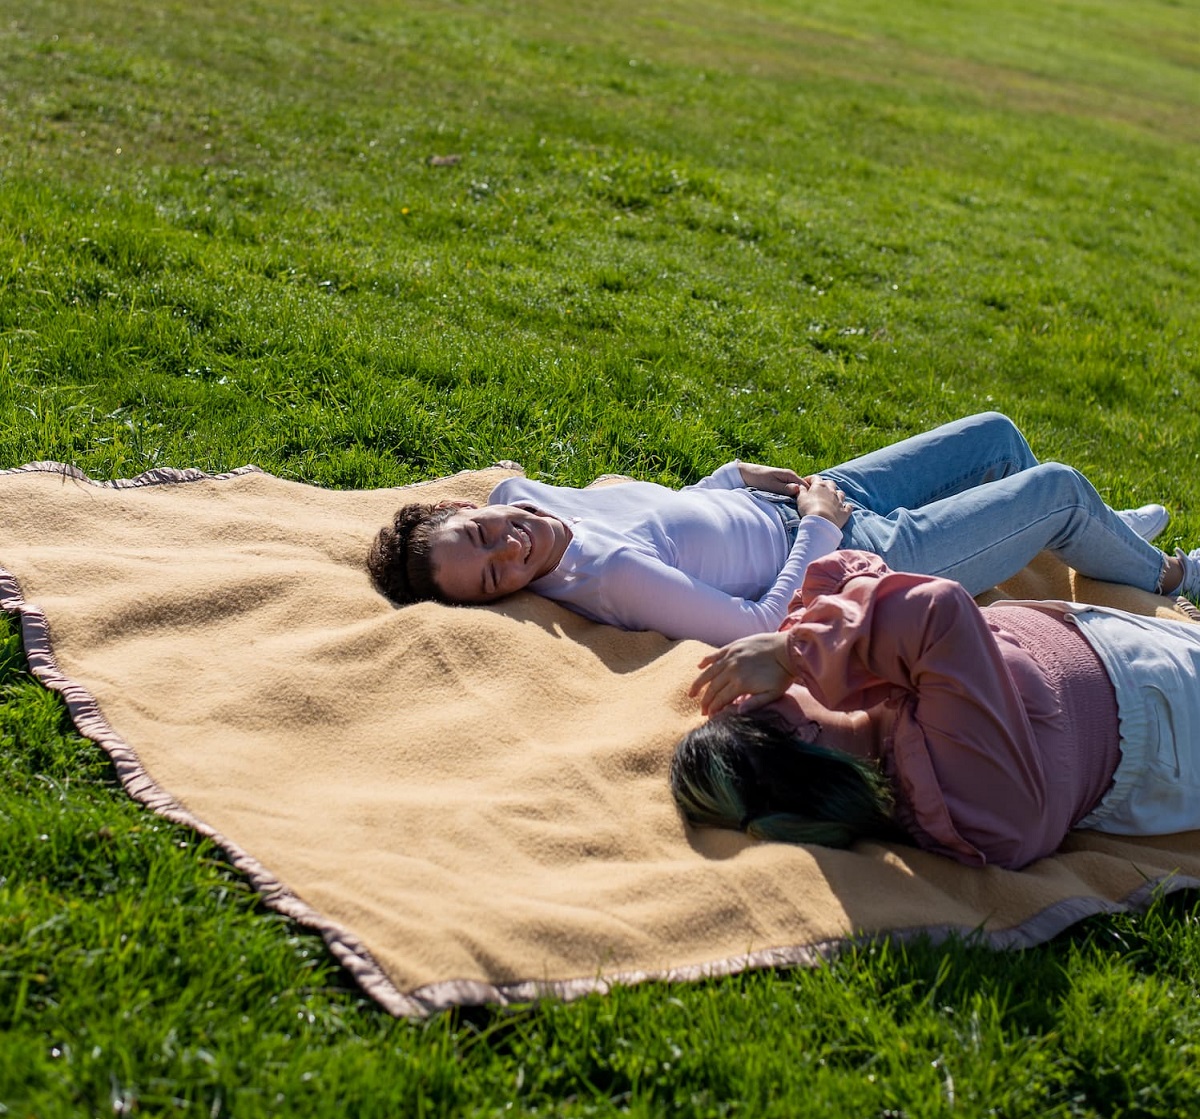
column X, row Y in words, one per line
column 671, row 234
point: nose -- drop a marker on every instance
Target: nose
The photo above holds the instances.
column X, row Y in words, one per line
column 508, row 547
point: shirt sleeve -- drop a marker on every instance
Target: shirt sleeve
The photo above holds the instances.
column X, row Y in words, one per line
column 963, row 752
column 727, row 477
column 642, row 592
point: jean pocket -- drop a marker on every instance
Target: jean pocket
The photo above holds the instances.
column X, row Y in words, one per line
column 1165, row 756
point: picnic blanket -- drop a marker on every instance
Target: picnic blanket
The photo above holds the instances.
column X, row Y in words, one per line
column 470, row 804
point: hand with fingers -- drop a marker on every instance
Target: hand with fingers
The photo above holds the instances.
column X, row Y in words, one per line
column 753, row 668
column 821, row 498
column 772, row 479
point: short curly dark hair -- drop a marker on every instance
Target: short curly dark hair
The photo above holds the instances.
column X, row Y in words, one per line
column 399, row 560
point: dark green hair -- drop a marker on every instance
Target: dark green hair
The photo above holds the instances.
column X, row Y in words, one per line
column 752, row 774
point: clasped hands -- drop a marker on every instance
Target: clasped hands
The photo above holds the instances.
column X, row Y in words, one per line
column 815, row 496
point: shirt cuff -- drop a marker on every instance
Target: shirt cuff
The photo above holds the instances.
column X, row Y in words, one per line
column 819, row 531
column 728, row 477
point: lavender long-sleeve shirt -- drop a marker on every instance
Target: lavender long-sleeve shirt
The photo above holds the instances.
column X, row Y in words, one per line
column 709, row 561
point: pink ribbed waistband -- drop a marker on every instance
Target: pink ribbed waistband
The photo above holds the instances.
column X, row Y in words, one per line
column 1091, row 741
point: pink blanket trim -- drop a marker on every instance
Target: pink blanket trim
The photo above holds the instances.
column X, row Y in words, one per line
column 353, row 955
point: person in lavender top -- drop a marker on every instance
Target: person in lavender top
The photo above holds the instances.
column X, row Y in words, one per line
column 722, row 558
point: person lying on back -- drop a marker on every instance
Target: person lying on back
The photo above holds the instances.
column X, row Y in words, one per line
column 722, row 559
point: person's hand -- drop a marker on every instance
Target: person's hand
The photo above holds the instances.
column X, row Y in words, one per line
column 773, row 479
column 754, row 667
column 821, row 498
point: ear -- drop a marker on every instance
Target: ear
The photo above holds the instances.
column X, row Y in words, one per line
column 451, row 504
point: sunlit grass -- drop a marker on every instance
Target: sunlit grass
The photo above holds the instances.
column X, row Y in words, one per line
column 672, row 234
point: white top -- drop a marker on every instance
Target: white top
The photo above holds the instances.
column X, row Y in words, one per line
column 710, row 561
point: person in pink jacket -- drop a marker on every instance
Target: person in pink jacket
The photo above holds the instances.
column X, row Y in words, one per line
column 891, row 704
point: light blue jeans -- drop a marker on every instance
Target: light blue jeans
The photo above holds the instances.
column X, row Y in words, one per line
column 970, row 502
column 1154, row 666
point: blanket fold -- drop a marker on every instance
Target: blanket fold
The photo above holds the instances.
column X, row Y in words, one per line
column 469, row 803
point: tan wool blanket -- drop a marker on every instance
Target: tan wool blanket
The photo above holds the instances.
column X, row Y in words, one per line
column 470, row 804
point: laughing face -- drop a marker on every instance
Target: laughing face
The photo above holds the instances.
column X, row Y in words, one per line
column 479, row 555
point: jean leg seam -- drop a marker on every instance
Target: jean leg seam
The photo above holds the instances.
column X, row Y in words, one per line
column 1074, row 507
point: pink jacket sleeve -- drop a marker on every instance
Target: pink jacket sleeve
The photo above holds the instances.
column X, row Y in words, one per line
column 963, row 755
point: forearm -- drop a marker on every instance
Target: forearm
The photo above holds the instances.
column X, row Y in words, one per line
column 641, row 592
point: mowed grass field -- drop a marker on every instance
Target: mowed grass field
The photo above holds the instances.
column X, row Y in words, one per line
column 369, row 243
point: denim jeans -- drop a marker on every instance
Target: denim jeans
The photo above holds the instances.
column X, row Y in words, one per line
column 1154, row 665
column 785, row 509
column 970, row 502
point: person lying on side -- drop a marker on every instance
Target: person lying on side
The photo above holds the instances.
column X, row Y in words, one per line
column 721, row 559
column 891, row 700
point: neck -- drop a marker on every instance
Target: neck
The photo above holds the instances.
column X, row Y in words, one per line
column 560, row 548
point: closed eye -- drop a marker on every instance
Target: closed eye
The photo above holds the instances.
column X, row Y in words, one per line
column 475, row 535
